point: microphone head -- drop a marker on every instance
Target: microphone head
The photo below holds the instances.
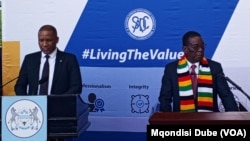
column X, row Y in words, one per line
column 43, row 80
column 221, row 75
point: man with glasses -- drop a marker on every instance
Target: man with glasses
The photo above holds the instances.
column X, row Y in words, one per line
column 192, row 83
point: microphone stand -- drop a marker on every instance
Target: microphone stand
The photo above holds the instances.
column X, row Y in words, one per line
column 1, row 87
column 8, row 82
column 238, row 87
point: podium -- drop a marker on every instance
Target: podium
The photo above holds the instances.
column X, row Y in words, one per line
column 66, row 115
column 200, row 118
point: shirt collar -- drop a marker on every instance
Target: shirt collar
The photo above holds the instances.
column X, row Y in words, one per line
column 190, row 64
column 52, row 55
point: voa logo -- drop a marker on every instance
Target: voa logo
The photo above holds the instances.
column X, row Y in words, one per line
column 140, row 24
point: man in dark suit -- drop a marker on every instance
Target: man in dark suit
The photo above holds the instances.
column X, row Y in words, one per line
column 64, row 73
column 177, row 93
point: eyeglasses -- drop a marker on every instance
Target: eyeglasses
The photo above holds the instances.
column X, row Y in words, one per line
column 195, row 47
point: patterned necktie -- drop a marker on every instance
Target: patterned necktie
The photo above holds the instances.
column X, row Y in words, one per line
column 194, row 79
column 44, row 82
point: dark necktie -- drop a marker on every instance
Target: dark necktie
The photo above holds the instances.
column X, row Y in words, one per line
column 194, row 79
column 44, row 82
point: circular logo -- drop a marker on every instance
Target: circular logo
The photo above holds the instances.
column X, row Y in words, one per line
column 24, row 118
column 140, row 24
column 140, row 103
column 99, row 104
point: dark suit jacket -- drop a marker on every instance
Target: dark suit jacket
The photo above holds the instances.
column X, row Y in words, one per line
column 169, row 95
column 66, row 80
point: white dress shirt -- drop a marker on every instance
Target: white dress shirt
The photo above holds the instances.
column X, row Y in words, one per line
column 52, row 60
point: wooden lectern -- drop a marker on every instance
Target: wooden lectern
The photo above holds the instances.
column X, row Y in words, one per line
column 200, row 118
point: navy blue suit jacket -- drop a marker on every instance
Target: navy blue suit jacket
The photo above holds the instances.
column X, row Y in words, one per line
column 169, row 95
column 66, row 78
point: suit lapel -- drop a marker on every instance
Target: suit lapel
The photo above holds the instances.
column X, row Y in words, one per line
column 58, row 67
column 36, row 64
column 34, row 67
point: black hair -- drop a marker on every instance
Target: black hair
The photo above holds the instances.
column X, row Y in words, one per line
column 49, row 28
column 187, row 35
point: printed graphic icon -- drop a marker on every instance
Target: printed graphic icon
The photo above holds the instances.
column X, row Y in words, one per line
column 140, row 103
column 24, row 118
column 140, row 24
column 95, row 104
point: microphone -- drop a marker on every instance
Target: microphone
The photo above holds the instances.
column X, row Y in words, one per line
column 1, row 87
column 235, row 85
column 40, row 82
column 43, row 80
column 9, row 82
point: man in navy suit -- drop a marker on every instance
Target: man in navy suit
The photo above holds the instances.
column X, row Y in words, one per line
column 177, row 93
column 64, row 71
